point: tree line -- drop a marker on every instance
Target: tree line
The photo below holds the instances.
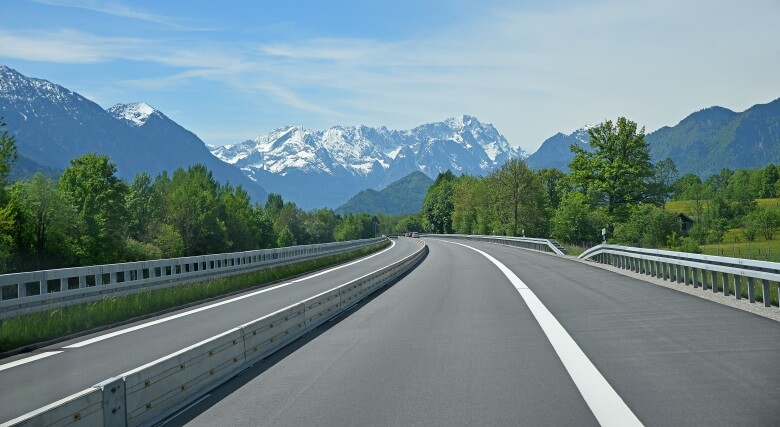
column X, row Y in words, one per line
column 612, row 187
column 90, row 216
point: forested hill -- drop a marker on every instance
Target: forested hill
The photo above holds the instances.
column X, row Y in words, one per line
column 403, row 196
column 715, row 138
column 702, row 143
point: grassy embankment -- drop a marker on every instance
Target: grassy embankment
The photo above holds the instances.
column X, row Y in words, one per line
column 734, row 243
column 27, row 329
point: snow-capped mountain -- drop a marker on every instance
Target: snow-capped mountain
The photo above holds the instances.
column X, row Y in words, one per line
column 325, row 168
column 135, row 114
column 555, row 153
column 53, row 125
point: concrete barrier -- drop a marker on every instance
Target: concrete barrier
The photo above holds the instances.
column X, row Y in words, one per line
column 150, row 393
column 160, row 388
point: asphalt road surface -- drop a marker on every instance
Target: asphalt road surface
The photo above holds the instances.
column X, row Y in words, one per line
column 457, row 341
column 30, row 381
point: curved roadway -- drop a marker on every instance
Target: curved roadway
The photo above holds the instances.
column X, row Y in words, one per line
column 28, row 383
column 455, row 342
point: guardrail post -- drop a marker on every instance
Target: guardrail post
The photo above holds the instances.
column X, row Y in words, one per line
column 685, row 276
column 695, row 275
column 725, row 284
column 714, row 282
column 765, row 292
column 738, row 286
column 114, row 409
column 751, row 290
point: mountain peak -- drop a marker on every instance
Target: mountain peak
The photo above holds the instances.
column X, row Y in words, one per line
column 135, row 114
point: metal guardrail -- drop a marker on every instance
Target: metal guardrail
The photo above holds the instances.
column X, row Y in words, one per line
column 705, row 271
column 41, row 290
column 150, row 393
column 544, row 245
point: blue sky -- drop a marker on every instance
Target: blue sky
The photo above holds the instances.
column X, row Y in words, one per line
column 229, row 71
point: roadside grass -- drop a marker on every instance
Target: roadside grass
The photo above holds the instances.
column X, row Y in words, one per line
column 573, row 250
column 28, row 329
column 686, row 206
column 734, row 245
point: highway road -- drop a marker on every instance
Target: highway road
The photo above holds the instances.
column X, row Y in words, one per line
column 30, row 381
column 509, row 336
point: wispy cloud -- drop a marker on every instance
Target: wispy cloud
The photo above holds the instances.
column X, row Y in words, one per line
column 115, row 8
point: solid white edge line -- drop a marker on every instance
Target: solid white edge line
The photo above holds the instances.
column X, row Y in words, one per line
column 43, row 409
column 228, row 301
column 176, row 353
column 607, row 406
column 28, row 360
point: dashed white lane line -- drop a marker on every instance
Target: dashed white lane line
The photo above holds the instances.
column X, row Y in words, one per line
column 28, row 360
column 210, row 306
column 607, row 406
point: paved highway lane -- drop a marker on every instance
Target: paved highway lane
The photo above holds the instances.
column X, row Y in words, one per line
column 80, row 363
column 673, row 358
column 454, row 343
column 450, row 343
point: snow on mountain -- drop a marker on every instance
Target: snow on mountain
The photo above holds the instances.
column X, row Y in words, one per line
column 53, row 125
column 324, row 168
column 135, row 114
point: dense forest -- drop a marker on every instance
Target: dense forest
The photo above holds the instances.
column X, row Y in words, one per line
column 89, row 216
column 614, row 187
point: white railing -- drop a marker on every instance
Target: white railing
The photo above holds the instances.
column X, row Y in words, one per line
column 41, row 290
column 544, row 245
column 150, row 393
column 704, row 271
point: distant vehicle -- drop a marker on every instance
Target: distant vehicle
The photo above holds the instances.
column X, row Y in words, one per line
column 416, row 235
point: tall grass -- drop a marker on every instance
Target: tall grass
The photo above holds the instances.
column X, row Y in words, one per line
column 27, row 329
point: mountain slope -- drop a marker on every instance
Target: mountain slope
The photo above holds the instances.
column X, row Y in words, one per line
column 403, row 196
column 554, row 153
column 52, row 125
column 324, row 168
column 702, row 143
column 716, row 138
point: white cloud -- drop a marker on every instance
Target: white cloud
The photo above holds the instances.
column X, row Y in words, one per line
column 530, row 73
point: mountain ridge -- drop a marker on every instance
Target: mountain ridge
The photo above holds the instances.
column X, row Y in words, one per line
column 52, row 125
column 405, row 195
column 326, row 167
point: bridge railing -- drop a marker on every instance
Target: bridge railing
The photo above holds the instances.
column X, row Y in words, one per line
column 545, row 245
column 41, row 290
column 701, row 271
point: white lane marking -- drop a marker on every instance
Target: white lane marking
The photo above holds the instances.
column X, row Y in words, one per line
column 607, row 406
column 207, row 307
column 28, row 360
column 26, row 417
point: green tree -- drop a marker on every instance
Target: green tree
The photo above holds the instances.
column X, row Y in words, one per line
column 575, row 221
column 770, row 176
column 47, row 224
column 141, row 204
column 320, row 225
column 617, row 169
column 99, row 196
column 8, row 157
column 438, row 204
column 519, row 199
column 194, row 211
column 237, row 213
column 552, row 181
column 660, row 186
column 355, row 226
column 648, row 226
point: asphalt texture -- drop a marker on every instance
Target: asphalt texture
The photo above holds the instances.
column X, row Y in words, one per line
column 33, row 385
column 454, row 343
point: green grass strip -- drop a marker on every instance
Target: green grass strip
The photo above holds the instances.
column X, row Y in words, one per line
column 28, row 329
